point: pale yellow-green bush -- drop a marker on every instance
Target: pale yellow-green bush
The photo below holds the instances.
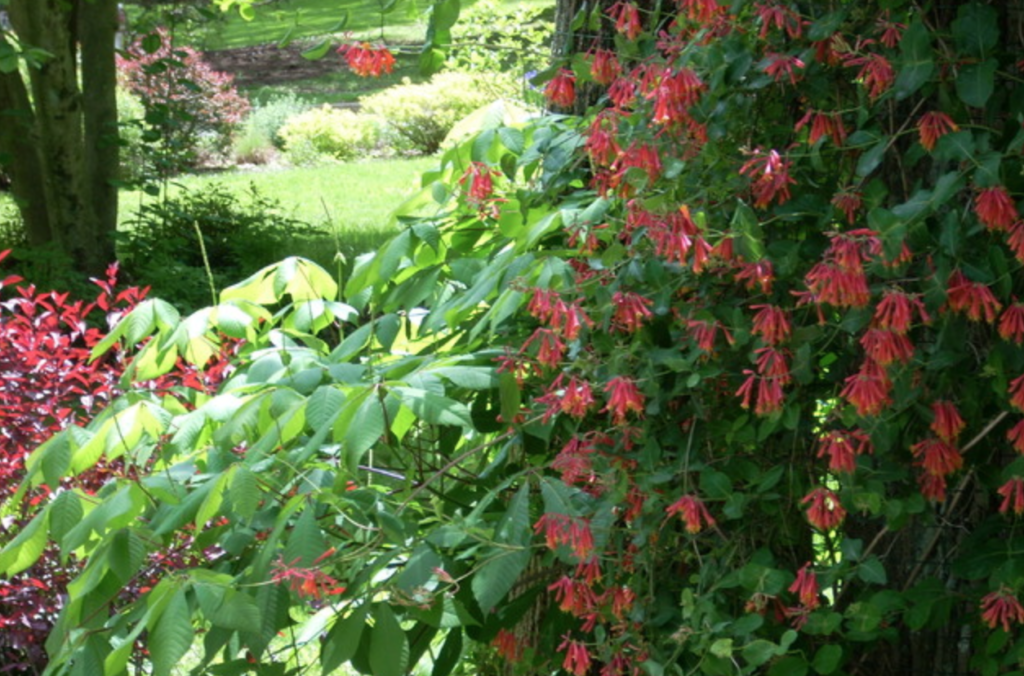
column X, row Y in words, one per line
column 419, row 116
column 329, row 133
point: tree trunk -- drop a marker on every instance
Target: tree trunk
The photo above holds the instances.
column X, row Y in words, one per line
column 97, row 30
column 18, row 142
column 64, row 149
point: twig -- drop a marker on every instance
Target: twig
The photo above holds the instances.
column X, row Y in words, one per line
column 960, row 489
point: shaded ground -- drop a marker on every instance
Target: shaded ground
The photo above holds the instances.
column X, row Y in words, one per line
column 269, row 70
column 267, row 65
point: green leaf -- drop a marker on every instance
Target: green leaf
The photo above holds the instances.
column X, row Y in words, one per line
column 152, row 43
column 172, row 636
column 498, row 575
column 244, row 492
column 826, row 660
column 451, row 653
column 976, row 29
column 389, row 648
column 323, row 406
column 870, row 160
column 342, row 640
column 722, row 648
column 433, row 408
column 791, row 665
column 759, row 651
column 509, row 395
column 872, row 571
column 916, row 63
column 976, row 81
column 750, row 243
column 26, row 548
column 318, row 51
column 65, row 513
column 513, row 139
column 514, row 526
column 306, row 542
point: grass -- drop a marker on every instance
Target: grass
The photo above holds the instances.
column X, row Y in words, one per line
column 295, row 19
column 404, row 22
column 349, row 203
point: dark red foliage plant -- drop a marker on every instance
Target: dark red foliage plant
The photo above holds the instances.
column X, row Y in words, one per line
column 49, row 381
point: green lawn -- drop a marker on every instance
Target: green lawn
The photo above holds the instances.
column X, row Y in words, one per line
column 404, row 22
column 297, row 19
column 350, row 203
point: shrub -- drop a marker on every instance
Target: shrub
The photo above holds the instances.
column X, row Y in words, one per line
column 331, row 133
column 137, row 149
column 489, row 38
column 49, row 382
column 161, row 247
column 267, row 117
column 419, row 116
column 259, row 139
column 184, row 98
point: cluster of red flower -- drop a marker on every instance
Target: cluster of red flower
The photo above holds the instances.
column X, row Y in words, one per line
column 367, row 61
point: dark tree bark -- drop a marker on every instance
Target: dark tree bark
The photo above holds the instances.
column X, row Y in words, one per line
column 63, row 145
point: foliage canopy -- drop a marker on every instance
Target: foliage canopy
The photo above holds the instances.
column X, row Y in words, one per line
column 677, row 386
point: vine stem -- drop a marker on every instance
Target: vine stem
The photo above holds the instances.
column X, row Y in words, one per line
column 960, row 489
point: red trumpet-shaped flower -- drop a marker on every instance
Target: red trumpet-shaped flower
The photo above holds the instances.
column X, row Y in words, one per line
column 561, row 89
column 895, row 311
column 823, row 509
column 577, row 656
column 947, row 424
column 623, row 397
column 995, row 208
column 605, row 67
column 806, row 587
column 631, row 311
column 842, row 448
column 367, row 61
column 783, row 67
column 974, row 299
column 1001, row 608
column 933, row 126
column 771, row 179
column 1013, row 496
column 626, row 16
column 692, row 511
column 1011, row 323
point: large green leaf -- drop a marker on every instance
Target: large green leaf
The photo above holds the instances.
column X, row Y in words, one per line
column 976, row 29
column 26, row 548
column 342, row 640
column 389, row 647
column 976, row 81
column 498, row 575
column 306, row 541
column 172, row 636
column 451, row 653
column 433, row 408
column 916, row 63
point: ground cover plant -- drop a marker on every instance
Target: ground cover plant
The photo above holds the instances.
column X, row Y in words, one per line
column 675, row 385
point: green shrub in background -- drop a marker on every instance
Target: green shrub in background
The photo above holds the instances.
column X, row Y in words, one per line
column 259, row 140
column 268, row 116
column 418, row 117
column 161, row 246
column 491, row 38
column 329, row 133
column 137, row 142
